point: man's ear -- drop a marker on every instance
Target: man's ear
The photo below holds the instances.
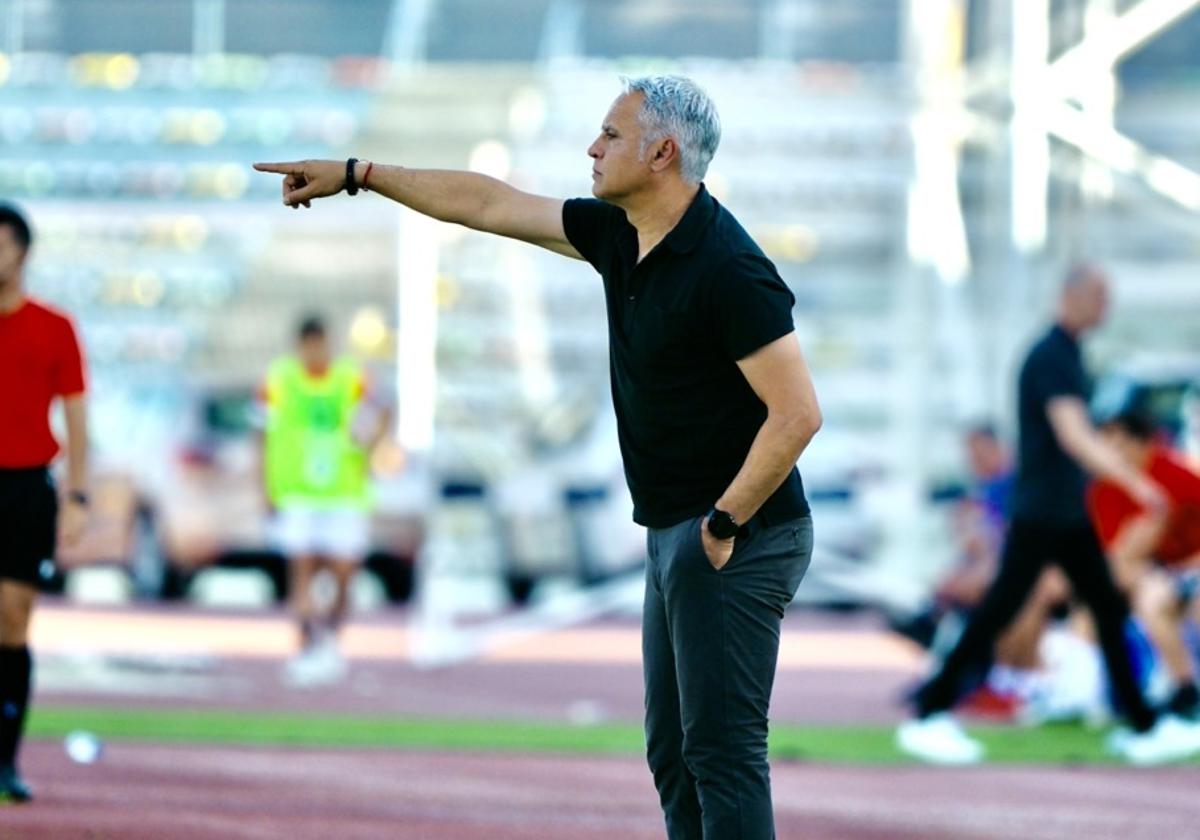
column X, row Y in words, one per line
column 663, row 154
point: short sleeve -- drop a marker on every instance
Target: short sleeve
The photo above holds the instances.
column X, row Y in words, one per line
column 591, row 227
column 752, row 305
column 270, row 390
column 68, row 368
column 1058, row 375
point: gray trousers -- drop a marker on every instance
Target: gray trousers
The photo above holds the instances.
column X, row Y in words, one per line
column 710, row 643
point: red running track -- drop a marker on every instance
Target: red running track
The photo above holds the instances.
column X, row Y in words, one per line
column 151, row 791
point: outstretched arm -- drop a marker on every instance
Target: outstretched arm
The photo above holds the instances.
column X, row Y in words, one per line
column 465, row 198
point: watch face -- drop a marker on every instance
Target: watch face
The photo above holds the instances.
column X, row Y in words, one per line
column 721, row 525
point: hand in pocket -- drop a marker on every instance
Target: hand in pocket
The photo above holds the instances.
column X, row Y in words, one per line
column 717, row 551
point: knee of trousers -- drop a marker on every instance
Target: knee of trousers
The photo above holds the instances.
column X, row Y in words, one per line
column 718, row 755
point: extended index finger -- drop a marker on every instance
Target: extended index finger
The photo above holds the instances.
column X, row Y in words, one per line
column 290, row 168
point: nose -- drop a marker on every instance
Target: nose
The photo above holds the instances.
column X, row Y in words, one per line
column 594, row 150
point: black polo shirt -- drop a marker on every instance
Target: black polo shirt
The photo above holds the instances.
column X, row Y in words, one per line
column 678, row 322
column 1050, row 486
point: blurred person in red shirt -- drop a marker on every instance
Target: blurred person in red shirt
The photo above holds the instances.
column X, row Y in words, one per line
column 1155, row 554
column 40, row 361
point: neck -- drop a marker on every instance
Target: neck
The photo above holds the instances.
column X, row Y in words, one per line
column 12, row 294
column 657, row 213
column 1069, row 325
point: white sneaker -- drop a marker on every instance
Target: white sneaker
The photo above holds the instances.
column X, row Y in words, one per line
column 330, row 664
column 1118, row 741
column 938, row 739
column 320, row 664
column 299, row 670
column 1171, row 739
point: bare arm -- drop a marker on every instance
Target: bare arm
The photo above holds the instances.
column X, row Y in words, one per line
column 380, row 429
column 1075, row 434
column 779, row 376
column 74, row 515
column 1133, row 548
column 75, row 412
column 465, row 198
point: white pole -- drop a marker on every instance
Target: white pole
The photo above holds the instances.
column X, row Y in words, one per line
column 14, row 27
column 416, row 319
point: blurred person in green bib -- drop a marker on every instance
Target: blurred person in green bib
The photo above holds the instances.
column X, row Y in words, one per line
column 320, row 429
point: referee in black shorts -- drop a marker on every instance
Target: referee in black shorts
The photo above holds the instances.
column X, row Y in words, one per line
column 40, row 362
column 1050, row 524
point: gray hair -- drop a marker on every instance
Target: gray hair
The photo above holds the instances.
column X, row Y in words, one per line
column 676, row 107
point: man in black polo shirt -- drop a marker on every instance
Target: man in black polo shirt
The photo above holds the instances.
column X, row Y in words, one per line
column 1050, row 524
column 714, row 405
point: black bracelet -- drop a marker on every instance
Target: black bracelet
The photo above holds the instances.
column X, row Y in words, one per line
column 351, row 186
column 79, row 497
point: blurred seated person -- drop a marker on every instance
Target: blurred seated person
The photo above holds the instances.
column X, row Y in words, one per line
column 980, row 519
column 1155, row 555
column 980, row 522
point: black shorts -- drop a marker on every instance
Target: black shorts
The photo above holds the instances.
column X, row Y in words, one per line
column 28, row 525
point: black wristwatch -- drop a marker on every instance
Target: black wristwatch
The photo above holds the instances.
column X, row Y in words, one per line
column 721, row 525
column 351, row 185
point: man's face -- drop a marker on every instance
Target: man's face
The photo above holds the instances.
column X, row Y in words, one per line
column 1097, row 301
column 1089, row 300
column 12, row 255
column 985, row 455
column 314, row 352
column 617, row 168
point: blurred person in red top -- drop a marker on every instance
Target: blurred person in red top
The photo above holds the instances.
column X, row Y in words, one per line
column 40, row 361
column 1155, row 554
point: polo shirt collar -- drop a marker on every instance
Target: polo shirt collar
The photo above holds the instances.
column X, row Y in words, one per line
column 1064, row 335
column 684, row 236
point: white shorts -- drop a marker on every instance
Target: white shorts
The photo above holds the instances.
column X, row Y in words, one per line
column 335, row 534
